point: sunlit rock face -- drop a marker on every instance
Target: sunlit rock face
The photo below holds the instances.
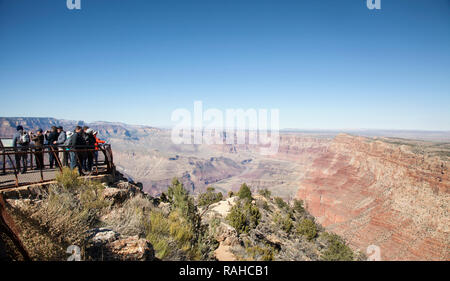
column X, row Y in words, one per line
column 393, row 194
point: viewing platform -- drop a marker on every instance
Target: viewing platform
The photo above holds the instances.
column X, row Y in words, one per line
column 11, row 176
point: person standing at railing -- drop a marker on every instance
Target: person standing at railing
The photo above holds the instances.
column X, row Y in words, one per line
column 38, row 140
column 77, row 142
column 51, row 138
column 84, row 135
column 21, row 142
column 90, row 142
column 60, row 142
column 97, row 142
column 69, row 136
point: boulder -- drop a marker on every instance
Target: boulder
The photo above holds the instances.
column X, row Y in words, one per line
column 116, row 195
column 131, row 248
column 131, row 188
column 107, row 245
column 227, row 235
column 102, row 235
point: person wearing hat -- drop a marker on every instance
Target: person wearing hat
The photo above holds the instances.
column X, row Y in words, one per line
column 21, row 141
column 60, row 142
column 97, row 142
column 38, row 140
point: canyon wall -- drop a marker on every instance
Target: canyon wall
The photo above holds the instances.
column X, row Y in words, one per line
column 375, row 191
column 389, row 192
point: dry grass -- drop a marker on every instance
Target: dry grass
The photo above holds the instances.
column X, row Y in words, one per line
column 62, row 218
column 130, row 218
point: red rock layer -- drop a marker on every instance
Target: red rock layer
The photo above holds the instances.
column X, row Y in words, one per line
column 372, row 192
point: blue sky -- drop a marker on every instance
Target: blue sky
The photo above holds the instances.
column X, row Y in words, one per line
column 323, row 64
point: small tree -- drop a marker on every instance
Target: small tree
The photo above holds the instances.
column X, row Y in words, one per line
column 179, row 198
column 298, row 206
column 337, row 249
column 283, row 221
column 245, row 192
column 244, row 217
column 280, row 203
column 209, row 197
column 307, row 228
column 68, row 179
column 265, row 192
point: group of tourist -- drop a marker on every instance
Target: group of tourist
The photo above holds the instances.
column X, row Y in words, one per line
column 84, row 139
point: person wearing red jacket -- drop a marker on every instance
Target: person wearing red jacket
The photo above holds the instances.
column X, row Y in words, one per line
column 97, row 141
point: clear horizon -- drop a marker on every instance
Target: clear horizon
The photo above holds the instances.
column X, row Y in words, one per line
column 281, row 129
column 326, row 65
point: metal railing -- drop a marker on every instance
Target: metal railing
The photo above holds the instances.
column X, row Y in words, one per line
column 37, row 161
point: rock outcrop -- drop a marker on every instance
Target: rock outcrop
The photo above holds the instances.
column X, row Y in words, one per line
column 268, row 240
column 107, row 245
column 391, row 194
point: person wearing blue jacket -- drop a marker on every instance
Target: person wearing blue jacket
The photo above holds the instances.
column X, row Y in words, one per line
column 60, row 142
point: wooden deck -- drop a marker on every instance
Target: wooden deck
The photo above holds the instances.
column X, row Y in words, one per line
column 34, row 176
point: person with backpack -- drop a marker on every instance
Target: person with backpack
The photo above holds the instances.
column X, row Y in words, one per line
column 21, row 141
column 51, row 138
column 77, row 142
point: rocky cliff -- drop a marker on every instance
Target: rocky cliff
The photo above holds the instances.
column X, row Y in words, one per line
column 82, row 219
column 390, row 193
column 106, row 129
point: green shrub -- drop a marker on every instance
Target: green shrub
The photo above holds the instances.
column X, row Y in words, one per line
column 287, row 224
column 164, row 232
column 230, row 194
column 265, row 192
column 179, row 199
column 209, row 197
column 157, row 233
column 180, row 230
column 68, row 179
column 298, row 206
column 280, row 203
column 337, row 249
column 307, row 228
column 284, row 222
column 258, row 253
column 244, row 217
column 245, row 193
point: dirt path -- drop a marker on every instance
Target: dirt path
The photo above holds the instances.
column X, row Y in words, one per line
column 223, row 253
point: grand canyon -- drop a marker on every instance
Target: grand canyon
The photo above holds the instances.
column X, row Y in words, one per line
column 383, row 188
